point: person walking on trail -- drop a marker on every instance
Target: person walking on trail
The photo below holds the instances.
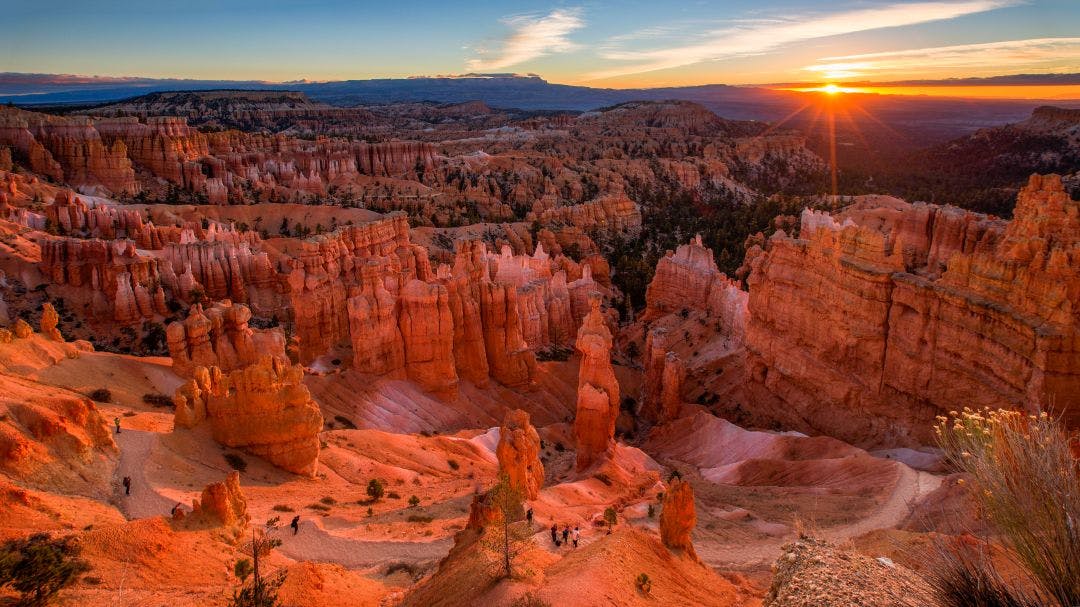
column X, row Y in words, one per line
column 566, row 534
column 116, row 421
column 295, row 524
column 529, row 516
column 576, row 535
column 127, row 485
column 555, row 534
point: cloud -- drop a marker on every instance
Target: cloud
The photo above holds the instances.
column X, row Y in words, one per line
column 765, row 35
column 1032, row 55
column 533, row 36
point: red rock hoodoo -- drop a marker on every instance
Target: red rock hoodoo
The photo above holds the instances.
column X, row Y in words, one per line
column 518, row 452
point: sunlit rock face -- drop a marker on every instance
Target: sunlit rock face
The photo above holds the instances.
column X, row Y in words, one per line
column 868, row 326
column 219, row 336
column 598, row 390
column 518, row 452
column 221, row 504
column 678, row 517
column 688, row 279
column 263, row 408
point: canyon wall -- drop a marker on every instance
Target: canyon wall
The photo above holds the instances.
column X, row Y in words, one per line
column 867, row 327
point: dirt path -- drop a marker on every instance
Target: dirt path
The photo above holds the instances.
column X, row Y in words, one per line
column 313, row 543
column 144, row 501
column 910, row 487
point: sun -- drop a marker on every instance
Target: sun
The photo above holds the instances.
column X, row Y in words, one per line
column 830, row 89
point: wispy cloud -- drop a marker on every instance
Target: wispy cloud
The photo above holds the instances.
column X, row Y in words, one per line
column 1033, row 55
column 765, row 35
column 532, row 36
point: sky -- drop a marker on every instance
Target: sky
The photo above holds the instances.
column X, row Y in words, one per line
column 591, row 42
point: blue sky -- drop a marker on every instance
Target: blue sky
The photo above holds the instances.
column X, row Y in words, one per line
column 596, row 42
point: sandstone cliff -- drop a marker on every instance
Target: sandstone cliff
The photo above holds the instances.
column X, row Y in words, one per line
column 856, row 330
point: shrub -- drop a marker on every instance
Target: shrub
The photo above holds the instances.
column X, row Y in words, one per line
column 375, row 489
column 329, row 501
column 242, row 569
column 414, row 501
column 157, row 400
column 39, row 566
column 236, row 462
column 402, row 567
column 345, row 422
column 101, row 395
column 964, row 576
column 643, row 583
column 420, row 518
column 454, row 465
column 319, row 507
column 610, row 516
column 393, row 495
column 1026, row 478
column 283, row 508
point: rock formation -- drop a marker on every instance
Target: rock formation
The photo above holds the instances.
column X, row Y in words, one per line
column 221, row 504
column 598, row 390
column 866, row 332
column 518, row 452
column 661, row 395
column 219, row 336
column 106, row 280
column 49, row 320
column 688, row 279
column 264, row 409
column 427, row 331
column 678, row 517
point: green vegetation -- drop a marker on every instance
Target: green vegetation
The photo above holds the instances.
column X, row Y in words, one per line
column 101, row 395
column 39, row 566
column 375, row 489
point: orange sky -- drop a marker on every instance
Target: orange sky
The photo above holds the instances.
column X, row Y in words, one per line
column 1060, row 92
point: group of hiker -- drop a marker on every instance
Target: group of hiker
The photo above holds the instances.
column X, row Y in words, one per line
column 567, row 535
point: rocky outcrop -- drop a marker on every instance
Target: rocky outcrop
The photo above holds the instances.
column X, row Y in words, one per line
column 219, row 336
column 678, row 517
column 49, row 320
column 598, row 390
column 106, row 280
column 518, row 452
column 427, row 332
column 221, row 504
column 855, row 330
column 68, row 149
column 688, row 279
column 617, row 213
column 812, row 572
column 661, row 392
column 264, row 409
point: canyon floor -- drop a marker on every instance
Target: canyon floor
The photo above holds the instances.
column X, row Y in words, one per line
column 756, row 491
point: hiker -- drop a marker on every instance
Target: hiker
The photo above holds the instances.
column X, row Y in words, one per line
column 295, row 524
column 117, row 422
column 127, row 485
column 566, row 534
column 528, row 516
column 555, row 534
column 174, row 509
column 576, row 535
